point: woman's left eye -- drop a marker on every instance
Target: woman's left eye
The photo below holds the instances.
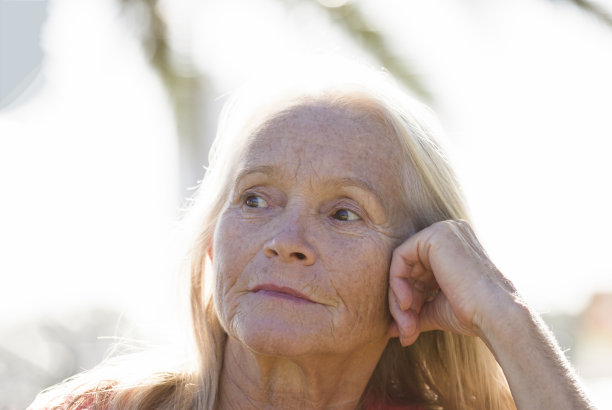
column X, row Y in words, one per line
column 345, row 215
column 254, row 201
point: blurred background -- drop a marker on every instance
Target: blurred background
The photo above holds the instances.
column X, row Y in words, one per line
column 108, row 107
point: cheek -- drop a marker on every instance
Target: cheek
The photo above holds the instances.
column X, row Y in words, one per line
column 233, row 247
column 231, row 238
column 363, row 278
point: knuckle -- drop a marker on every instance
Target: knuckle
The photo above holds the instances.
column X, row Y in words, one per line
column 462, row 222
column 455, row 226
column 439, row 226
column 443, row 228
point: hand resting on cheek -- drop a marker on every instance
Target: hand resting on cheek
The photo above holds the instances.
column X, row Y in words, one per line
column 442, row 279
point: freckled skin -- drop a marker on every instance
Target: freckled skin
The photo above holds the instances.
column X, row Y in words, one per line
column 310, row 145
column 316, row 209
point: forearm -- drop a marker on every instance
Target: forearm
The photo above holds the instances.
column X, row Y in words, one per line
column 537, row 371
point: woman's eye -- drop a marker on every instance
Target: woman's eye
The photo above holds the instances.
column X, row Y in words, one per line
column 254, row 201
column 345, row 215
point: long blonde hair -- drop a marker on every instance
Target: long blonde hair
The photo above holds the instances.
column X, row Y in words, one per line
column 441, row 369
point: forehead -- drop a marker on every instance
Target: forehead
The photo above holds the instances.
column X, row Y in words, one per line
column 342, row 137
column 317, row 145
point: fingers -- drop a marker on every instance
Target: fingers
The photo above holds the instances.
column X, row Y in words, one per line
column 414, row 301
column 410, row 321
column 411, row 283
column 445, row 256
column 429, row 318
column 399, row 283
column 439, row 315
column 404, row 323
column 415, row 250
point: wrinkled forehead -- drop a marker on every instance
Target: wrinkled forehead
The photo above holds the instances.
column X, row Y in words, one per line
column 331, row 139
column 340, row 119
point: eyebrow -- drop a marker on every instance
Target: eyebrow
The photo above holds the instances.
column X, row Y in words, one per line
column 261, row 169
column 341, row 182
column 356, row 182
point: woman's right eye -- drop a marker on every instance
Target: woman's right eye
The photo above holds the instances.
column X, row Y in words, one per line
column 254, row 201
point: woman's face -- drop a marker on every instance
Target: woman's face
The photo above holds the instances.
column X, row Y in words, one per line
column 301, row 252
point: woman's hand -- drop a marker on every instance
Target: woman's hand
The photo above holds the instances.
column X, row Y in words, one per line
column 441, row 278
column 476, row 299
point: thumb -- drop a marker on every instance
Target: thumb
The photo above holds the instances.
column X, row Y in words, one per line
column 438, row 315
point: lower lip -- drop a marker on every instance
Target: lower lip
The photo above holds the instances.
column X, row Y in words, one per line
column 281, row 295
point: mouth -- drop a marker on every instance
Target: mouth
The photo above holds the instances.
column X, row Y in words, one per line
column 281, row 292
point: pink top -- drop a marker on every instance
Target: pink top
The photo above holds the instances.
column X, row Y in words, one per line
column 53, row 404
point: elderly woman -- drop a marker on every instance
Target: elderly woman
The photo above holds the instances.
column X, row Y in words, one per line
column 332, row 267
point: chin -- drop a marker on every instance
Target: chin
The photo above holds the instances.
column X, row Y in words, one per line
column 278, row 336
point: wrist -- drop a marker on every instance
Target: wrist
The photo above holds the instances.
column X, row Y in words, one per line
column 536, row 369
column 507, row 316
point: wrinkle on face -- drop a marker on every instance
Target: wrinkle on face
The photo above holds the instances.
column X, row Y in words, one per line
column 311, row 155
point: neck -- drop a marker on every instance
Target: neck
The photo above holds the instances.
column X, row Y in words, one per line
column 331, row 381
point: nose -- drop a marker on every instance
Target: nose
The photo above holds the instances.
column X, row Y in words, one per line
column 290, row 245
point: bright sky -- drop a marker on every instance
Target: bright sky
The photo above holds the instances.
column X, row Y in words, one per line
column 88, row 166
column 88, row 174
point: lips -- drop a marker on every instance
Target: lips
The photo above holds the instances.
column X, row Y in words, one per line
column 283, row 292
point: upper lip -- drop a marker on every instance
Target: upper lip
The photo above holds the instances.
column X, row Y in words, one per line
column 281, row 289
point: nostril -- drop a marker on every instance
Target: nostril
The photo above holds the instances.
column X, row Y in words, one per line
column 271, row 252
column 299, row 255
